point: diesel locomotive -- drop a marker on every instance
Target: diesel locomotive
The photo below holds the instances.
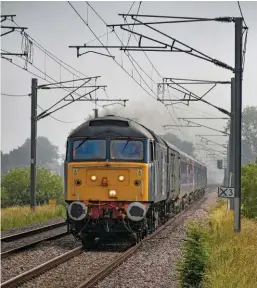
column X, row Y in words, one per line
column 122, row 180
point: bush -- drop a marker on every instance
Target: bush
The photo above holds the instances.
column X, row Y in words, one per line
column 13, row 217
column 15, row 187
column 195, row 255
column 249, row 190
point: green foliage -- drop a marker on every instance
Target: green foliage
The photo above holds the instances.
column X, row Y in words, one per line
column 195, row 255
column 249, row 190
column 46, row 153
column 16, row 187
column 249, row 134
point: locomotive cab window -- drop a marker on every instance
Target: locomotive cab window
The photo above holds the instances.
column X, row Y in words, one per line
column 151, row 151
column 85, row 149
column 67, row 151
column 127, row 149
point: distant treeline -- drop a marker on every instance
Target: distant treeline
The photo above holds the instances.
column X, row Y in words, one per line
column 47, row 156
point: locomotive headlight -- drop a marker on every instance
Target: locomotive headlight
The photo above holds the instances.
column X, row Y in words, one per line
column 93, row 177
column 112, row 193
column 121, row 177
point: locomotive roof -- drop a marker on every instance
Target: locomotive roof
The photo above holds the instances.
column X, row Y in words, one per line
column 110, row 125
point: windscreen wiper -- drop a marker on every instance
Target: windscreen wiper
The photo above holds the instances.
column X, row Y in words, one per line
column 81, row 143
column 126, row 145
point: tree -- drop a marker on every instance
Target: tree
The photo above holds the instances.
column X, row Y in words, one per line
column 185, row 146
column 15, row 186
column 249, row 128
column 20, row 157
column 249, row 189
column 249, row 134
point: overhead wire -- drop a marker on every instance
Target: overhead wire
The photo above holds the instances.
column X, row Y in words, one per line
column 129, row 55
column 26, row 95
column 58, row 61
column 239, row 6
column 110, row 53
column 134, row 60
column 153, row 66
column 131, row 8
column 161, row 76
column 107, row 48
column 14, row 95
column 61, row 121
column 52, row 56
column 134, row 21
column 38, row 76
column 65, row 89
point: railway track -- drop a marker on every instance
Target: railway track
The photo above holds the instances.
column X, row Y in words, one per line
column 10, row 240
column 127, row 254
column 42, row 268
column 106, row 270
column 32, row 232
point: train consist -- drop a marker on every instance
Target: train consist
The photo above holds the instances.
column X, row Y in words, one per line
column 122, row 180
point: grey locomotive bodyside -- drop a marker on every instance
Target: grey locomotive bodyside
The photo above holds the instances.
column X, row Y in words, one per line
column 173, row 174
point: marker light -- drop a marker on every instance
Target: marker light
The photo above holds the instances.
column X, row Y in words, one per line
column 121, row 177
column 112, row 193
column 93, row 177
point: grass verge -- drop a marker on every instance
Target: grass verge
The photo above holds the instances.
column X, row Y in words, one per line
column 214, row 256
column 18, row 216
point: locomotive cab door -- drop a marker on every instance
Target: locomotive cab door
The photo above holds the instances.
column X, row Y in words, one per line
column 153, row 170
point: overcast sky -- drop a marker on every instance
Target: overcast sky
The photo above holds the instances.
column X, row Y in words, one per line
column 56, row 26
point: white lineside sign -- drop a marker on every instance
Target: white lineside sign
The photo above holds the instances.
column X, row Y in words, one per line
column 226, row 192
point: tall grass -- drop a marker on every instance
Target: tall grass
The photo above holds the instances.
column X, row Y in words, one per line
column 214, row 256
column 232, row 261
column 19, row 216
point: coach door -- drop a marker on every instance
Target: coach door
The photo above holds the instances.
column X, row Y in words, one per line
column 177, row 173
column 172, row 170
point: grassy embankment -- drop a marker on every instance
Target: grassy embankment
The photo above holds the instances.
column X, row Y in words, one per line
column 19, row 216
column 214, row 256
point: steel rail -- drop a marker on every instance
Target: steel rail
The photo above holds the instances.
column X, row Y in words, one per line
column 32, row 232
column 26, row 276
column 32, row 244
column 117, row 261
